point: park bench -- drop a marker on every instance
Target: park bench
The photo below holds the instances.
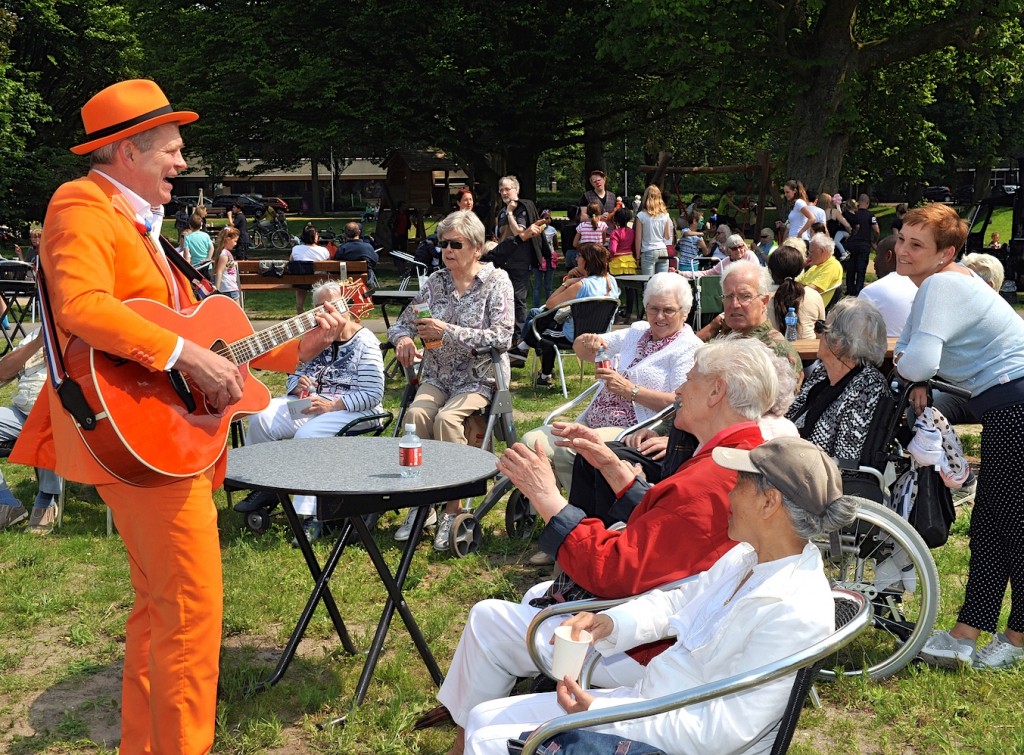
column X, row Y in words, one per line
column 278, row 275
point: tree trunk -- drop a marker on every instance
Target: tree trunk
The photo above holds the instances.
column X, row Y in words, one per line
column 817, row 145
column 522, row 163
column 314, row 182
column 593, row 156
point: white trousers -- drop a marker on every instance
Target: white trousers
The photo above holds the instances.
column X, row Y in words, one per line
column 562, row 457
column 493, row 723
column 492, row 654
column 276, row 423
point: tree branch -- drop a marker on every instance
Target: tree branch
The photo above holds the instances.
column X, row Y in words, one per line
column 911, row 43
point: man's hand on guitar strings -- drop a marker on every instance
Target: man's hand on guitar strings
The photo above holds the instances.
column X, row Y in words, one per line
column 218, row 378
column 331, row 323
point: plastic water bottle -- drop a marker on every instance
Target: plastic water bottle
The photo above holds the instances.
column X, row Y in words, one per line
column 410, row 453
column 602, row 359
column 791, row 322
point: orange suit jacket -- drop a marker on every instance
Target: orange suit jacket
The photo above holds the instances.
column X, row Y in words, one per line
column 95, row 257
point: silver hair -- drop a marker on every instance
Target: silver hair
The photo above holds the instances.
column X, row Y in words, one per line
column 466, row 224
column 670, row 283
column 723, row 227
column 988, row 268
column 761, row 274
column 512, row 180
column 856, row 331
column 745, row 366
column 330, row 289
column 736, row 240
column 824, row 241
column 104, row 155
column 797, row 243
column 807, row 525
column 787, row 385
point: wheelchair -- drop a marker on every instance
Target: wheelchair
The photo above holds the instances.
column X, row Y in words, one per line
column 495, row 422
column 882, row 557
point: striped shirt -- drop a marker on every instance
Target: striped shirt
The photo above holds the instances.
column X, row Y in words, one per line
column 353, row 370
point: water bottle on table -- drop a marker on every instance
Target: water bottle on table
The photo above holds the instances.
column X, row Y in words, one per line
column 791, row 321
column 410, row 453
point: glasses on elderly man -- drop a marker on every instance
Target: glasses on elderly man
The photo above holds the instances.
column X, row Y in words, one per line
column 445, row 243
column 743, row 299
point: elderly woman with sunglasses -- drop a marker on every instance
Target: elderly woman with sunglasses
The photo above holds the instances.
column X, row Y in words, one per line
column 471, row 311
column 737, row 250
column 841, row 405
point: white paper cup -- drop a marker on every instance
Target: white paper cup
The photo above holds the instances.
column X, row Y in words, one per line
column 569, row 653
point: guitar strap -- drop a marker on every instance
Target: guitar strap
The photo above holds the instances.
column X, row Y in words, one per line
column 201, row 287
column 68, row 391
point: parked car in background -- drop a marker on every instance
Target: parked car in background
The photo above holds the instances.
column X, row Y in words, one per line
column 937, row 193
column 185, row 201
column 251, row 207
column 964, row 195
column 276, row 202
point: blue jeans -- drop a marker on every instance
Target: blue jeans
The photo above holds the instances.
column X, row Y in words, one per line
column 651, row 264
column 12, row 420
column 542, row 280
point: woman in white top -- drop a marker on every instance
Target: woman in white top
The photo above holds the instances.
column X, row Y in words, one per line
column 308, row 251
column 652, row 232
column 800, row 218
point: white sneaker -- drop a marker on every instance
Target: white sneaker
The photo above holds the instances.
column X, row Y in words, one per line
column 444, row 531
column 999, row 653
column 942, row 649
column 405, row 530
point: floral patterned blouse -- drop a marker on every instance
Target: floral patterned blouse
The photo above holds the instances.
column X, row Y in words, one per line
column 482, row 317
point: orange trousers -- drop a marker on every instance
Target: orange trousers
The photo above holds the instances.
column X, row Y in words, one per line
column 173, row 633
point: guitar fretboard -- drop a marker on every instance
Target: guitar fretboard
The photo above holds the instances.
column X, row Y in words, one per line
column 259, row 343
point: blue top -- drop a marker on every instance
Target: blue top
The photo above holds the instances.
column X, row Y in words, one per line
column 199, row 246
column 962, row 331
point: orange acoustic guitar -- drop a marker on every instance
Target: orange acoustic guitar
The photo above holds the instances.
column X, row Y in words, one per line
column 152, row 426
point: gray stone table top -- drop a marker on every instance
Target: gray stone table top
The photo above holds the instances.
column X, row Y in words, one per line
column 360, row 475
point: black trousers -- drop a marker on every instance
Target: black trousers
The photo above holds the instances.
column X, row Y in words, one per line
column 520, row 286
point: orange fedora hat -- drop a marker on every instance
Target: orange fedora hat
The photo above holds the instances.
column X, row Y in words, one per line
column 125, row 109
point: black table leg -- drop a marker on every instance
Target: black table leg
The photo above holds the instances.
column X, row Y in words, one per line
column 9, row 313
column 394, row 602
column 321, row 591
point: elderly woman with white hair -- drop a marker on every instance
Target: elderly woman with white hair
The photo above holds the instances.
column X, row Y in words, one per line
column 987, row 267
column 764, row 599
column 653, row 358
column 737, row 250
column 844, row 403
column 471, row 311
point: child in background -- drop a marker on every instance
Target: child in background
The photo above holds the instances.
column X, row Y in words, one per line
column 225, row 276
column 620, row 244
column 593, row 230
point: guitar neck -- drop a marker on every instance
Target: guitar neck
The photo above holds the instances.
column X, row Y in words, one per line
column 259, row 343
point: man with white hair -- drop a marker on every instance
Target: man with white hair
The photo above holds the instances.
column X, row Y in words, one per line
column 745, row 304
column 679, row 528
column 824, row 272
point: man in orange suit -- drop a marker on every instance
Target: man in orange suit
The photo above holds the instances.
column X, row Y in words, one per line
column 99, row 250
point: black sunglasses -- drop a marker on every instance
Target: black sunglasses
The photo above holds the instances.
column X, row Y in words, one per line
column 820, row 327
column 445, row 243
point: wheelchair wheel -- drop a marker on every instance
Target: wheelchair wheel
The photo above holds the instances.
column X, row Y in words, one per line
column 884, row 559
column 258, row 521
column 465, row 536
column 519, row 516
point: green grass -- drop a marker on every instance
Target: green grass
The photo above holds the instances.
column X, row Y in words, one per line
column 65, row 599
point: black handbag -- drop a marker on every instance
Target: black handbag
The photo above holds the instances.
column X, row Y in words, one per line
column 933, row 513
